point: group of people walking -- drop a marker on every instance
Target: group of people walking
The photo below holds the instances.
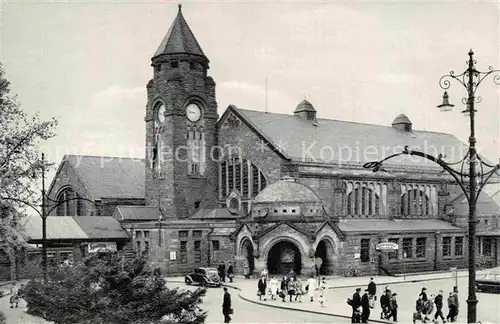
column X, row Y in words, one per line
column 290, row 287
column 222, row 272
column 426, row 306
column 362, row 304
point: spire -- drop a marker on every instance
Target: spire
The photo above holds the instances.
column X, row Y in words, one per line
column 179, row 39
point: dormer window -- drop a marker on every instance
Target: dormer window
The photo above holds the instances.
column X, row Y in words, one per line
column 310, row 115
column 174, row 65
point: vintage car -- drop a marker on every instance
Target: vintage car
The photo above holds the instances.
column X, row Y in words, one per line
column 488, row 282
column 206, row 277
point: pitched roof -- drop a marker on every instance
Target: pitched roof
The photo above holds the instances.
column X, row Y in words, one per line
column 485, row 205
column 74, row 228
column 216, row 213
column 110, row 177
column 399, row 225
column 136, row 213
column 179, row 39
column 335, row 141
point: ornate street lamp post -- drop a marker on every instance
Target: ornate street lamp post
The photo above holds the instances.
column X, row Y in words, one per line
column 472, row 179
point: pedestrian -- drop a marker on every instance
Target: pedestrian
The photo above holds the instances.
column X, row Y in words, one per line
column 291, row 288
column 429, row 307
column 355, row 303
column 393, row 307
column 424, row 294
column 230, row 272
column 283, row 288
column 273, row 286
column 322, row 290
column 419, row 309
column 457, row 304
column 261, row 287
column 311, row 287
column 226, row 306
column 438, row 301
column 264, row 273
column 365, row 307
column 221, row 269
column 299, row 290
column 14, row 298
column 372, row 289
column 246, row 269
column 385, row 301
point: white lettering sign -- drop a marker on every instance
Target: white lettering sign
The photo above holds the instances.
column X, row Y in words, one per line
column 102, row 247
column 387, row 247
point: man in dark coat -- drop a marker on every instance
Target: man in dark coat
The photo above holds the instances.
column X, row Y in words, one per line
column 385, row 301
column 226, row 306
column 221, row 269
column 365, row 305
column 230, row 272
column 438, row 301
column 355, row 304
column 372, row 289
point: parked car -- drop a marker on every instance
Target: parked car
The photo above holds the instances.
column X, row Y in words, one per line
column 489, row 282
column 207, row 277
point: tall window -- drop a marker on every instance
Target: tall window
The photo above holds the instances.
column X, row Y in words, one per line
column 446, row 246
column 216, row 250
column 240, row 175
column 459, row 246
column 415, row 202
column 421, row 245
column 183, row 250
column 365, row 250
column 487, row 246
column 407, row 247
column 69, row 205
column 197, row 251
column 363, row 201
column 195, row 148
column 393, row 255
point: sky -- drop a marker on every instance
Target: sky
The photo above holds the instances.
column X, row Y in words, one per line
column 88, row 63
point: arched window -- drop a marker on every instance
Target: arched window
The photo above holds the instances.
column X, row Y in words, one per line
column 69, row 205
column 415, row 202
column 240, row 175
column 363, row 201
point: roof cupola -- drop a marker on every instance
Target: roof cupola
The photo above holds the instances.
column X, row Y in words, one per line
column 402, row 123
column 306, row 111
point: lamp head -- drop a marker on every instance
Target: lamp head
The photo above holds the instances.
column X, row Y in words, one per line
column 445, row 106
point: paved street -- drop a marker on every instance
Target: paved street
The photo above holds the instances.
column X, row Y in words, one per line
column 246, row 312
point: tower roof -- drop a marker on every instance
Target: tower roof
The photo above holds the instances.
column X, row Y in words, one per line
column 304, row 106
column 179, row 39
column 401, row 119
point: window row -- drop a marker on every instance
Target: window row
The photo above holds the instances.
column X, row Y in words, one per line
column 241, row 175
column 184, row 234
column 183, row 250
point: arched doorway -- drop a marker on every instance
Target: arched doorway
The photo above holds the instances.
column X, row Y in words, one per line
column 247, row 253
column 324, row 251
column 283, row 257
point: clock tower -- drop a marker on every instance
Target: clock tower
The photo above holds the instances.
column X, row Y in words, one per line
column 181, row 113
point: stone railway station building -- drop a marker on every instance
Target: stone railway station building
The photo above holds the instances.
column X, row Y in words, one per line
column 276, row 190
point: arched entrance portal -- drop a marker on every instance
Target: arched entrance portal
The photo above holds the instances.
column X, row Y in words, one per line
column 247, row 252
column 283, row 257
column 324, row 251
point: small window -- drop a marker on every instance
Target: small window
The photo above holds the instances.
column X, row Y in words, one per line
column 393, row 255
column 459, row 246
column 485, row 222
column 275, row 211
column 197, row 204
column 407, row 247
column 293, row 211
column 284, row 210
column 421, row 245
column 310, row 115
column 146, row 247
column 147, row 234
column 138, row 247
column 365, row 250
column 174, row 65
column 446, row 246
column 487, row 246
column 197, row 234
column 138, row 234
column 216, row 245
column 183, row 234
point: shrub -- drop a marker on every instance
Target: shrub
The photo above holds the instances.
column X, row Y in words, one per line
column 107, row 289
column 3, row 319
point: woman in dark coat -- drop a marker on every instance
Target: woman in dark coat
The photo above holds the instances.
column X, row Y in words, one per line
column 230, row 272
column 261, row 288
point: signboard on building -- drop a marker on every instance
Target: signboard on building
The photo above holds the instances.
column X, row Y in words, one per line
column 102, row 247
column 173, row 256
column 387, row 247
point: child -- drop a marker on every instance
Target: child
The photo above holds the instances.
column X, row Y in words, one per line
column 321, row 299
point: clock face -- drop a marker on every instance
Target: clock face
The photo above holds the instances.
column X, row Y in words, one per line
column 193, row 112
column 160, row 113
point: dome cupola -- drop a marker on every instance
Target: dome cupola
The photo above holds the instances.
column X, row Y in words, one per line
column 306, row 111
column 402, row 123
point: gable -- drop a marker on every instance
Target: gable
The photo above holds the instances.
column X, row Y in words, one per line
column 284, row 228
